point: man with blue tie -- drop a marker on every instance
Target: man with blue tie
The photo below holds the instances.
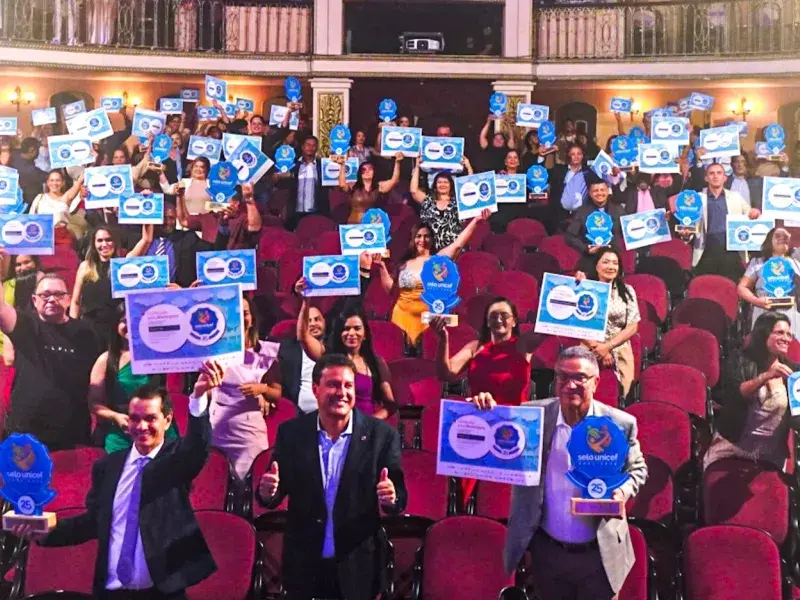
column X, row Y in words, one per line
column 150, row 546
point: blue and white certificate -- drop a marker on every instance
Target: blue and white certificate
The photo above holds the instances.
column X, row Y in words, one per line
column 780, row 198
column 330, row 171
column 9, row 186
column 147, row 122
column 73, row 108
column 442, row 152
column 245, row 104
column 251, row 164
column 658, row 158
column 331, row 275
column 8, row 125
column 793, row 387
column 190, row 94
column 94, row 124
column 621, row 105
column 227, row 266
column 278, row 113
column 604, row 166
column 204, row 147
column 69, row 151
column 720, row 141
column 176, row 331
column 231, row 141
column 698, row 101
column 139, row 209
column 106, row 185
column 27, row 234
column 170, row 106
column 229, row 108
column 670, row 131
column 355, row 239
column 532, row 115
column 43, row 116
column 112, row 103
column 216, row 89
column 474, row 193
column 138, row 273
column 503, row 445
column 407, row 140
column 762, row 150
column 645, row 228
column 511, row 188
column 207, row 113
column 571, row 309
column 747, row 234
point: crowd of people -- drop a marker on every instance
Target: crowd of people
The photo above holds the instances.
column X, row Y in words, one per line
column 69, row 380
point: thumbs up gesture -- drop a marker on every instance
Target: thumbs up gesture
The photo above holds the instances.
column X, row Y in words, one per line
column 268, row 486
column 385, row 489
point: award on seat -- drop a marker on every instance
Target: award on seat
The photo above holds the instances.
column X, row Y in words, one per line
column 778, row 276
column 688, row 210
column 378, row 216
column 537, row 179
column 26, row 469
column 598, row 228
column 440, row 280
column 598, row 450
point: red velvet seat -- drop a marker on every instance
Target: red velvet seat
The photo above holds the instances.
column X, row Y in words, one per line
column 282, row 411
column 680, row 385
column 529, row 232
column 557, row 247
column 651, row 290
column 507, row 248
column 285, row 329
column 522, row 289
column 388, row 340
column 693, row 348
column 701, row 313
column 274, row 242
column 537, row 264
column 481, row 266
column 310, row 227
column 72, row 476
column 638, row 583
column 459, row 336
column 493, row 500
column 211, row 489
column 718, row 289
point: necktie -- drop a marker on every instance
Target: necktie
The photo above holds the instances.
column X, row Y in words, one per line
column 131, row 536
column 161, row 249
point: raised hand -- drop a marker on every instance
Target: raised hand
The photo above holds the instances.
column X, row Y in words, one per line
column 385, row 489
column 211, row 374
column 268, row 486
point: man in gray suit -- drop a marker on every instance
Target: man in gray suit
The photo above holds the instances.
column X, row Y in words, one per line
column 574, row 558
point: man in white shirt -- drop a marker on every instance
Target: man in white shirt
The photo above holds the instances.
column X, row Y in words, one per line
column 574, row 558
column 150, row 546
column 306, row 195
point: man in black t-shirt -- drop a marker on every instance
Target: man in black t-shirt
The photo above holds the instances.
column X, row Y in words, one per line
column 53, row 357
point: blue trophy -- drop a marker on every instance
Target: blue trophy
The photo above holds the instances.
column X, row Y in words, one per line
column 547, row 134
column 378, row 216
column 498, row 104
column 222, row 181
column 598, row 228
column 538, row 179
column 26, row 469
column 294, row 92
column 688, row 211
column 598, row 451
column 440, row 280
column 284, row 158
column 779, row 276
column 623, row 149
column 162, row 144
column 775, row 138
column 340, row 140
column 387, row 110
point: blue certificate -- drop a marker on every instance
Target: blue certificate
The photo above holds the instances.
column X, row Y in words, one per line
column 474, row 193
column 190, row 94
column 645, row 229
column 231, row 141
column 204, row 146
column 503, row 445
column 793, row 387
column 698, row 101
column 532, row 115
column 658, row 158
column 624, row 151
column 498, row 104
column 8, row 125
column 442, row 152
column 780, row 198
column 216, row 89
column 330, row 171
column 571, row 309
column 720, row 141
column 740, row 125
column 670, row 131
column 683, row 106
column 176, row 331
column 355, row 239
column 251, row 164
column 147, row 122
column 69, row 150
column 227, row 266
column 112, row 103
column 245, row 104
column 621, row 105
column 94, row 124
column 43, row 116
column 278, row 113
column 775, row 138
column 747, row 234
column 407, row 140
column 73, row 108
column 139, row 209
column 331, row 276
column 106, row 185
column 9, row 186
column 510, row 188
column 604, row 166
column 138, row 273
column 207, row 113
column 170, row 106
column 27, row 234
column 229, row 108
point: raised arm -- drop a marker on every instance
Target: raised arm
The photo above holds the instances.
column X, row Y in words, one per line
column 343, row 185
column 387, row 281
column 8, row 314
column 180, row 209
column 447, row 367
column 467, row 166
column 462, row 240
column 72, row 192
column 484, row 137
column 273, row 379
column 416, row 194
column 384, row 187
column 253, row 216
column 311, row 345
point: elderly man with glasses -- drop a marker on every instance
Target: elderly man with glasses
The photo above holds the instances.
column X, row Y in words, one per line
column 54, row 355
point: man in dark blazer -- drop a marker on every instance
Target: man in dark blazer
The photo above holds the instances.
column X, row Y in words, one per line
column 339, row 468
column 568, row 190
column 304, row 185
column 150, row 546
column 575, row 235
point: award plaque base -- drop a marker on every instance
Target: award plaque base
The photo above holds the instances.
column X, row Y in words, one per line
column 41, row 523
column 782, row 302
column 693, row 229
column 589, row 507
column 774, row 157
column 537, row 198
column 452, row 320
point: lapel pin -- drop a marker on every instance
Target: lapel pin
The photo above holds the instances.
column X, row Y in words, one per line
column 363, row 438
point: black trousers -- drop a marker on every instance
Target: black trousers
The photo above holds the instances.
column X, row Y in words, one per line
column 149, row 594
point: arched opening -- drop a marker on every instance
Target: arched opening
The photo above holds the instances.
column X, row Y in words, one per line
column 59, row 99
column 582, row 114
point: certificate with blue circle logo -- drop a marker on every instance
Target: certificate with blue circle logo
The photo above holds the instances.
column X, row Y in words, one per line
column 141, row 209
column 781, row 198
column 793, row 387
column 532, row 115
column 658, row 158
column 621, row 105
column 170, row 106
column 511, row 188
column 94, row 124
column 670, row 131
column 571, row 309
column 355, row 239
column 69, row 150
column 204, row 147
column 720, row 142
column 330, row 171
column 645, row 229
column 332, row 275
column 474, row 193
column 503, row 445
column 406, row 140
column 207, row 113
column 138, row 273
column 251, row 164
column 216, row 89
column 112, row 103
column 9, row 186
column 106, row 185
column 147, row 123
column 227, row 266
column 27, row 234
column 745, row 234
column 442, row 152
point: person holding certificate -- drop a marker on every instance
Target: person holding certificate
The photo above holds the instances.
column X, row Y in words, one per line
column 194, row 189
column 366, row 192
column 61, row 203
column 753, row 286
column 576, row 234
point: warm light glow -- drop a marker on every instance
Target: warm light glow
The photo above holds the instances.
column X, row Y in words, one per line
column 734, row 107
column 12, row 97
column 136, row 101
column 28, row 97
column 636, row 108
column 748, row 106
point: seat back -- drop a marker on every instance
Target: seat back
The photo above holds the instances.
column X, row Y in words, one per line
column 694, row 348
column 667, row 269
column 427, row 491
column 290, row 268
column 655, row 500
column 651, row 290
column 701, row 313
column 481, row 266
column 472, row 311
column 680, row 385
column 388, row 340
column 310, row 227
column 459, row 336
column 677, row 250
column 665, row 431
column 273, row 242
column 529, row 232
column 505, row 247
column 566, row 255
column 718, row 289
column 209, row 490
column 521, row 288
column 72, row 476
column 637, row 583
column 327, row 243
column 285, row 329
column 493, row 500
column 283, row 410
column 608, row 388
column 377, row 303
column 537, row 264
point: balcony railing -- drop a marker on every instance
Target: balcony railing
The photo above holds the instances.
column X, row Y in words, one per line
column 216, row 26
column 667, row 29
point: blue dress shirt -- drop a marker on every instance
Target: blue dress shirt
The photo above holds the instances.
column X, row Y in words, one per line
column 575, row 190
column 331, row 460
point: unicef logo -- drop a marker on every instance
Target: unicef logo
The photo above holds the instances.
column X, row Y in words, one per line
column 144, row 124
column 665, row 156
column 484, row 190
column 508, row 441
column 149, row 274
column 116, row 183
column 585, row 306
column 33, row 232
column 369, row 237
column 235, row 268
column 677, row 129
column 64, row 153
column 209, row 148
column 339, row 273
column 213, row 89
column 408, row 140
column 742, row 234
column 652, row 224
column 449, row 151
column 95, row 123
column 206, row 324
column 3, row 185
column 249, row 159
column 148, row 206
column 513, row 186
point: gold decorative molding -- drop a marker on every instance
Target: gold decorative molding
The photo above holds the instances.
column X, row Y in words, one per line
column 510, row 119
column 329, row 112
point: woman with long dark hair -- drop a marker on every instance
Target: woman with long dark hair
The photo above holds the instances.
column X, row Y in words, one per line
column 438, row 208
column 366, row 192
column 18, row 291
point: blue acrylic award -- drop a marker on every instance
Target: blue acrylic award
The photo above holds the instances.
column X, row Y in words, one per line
column 284, row 158
column 637, row 135
column 598, row 228
column 294, row 92
column 688, row 209
column 440, row 280
column 598, row 451
column 162, row 144
column 778, row 275
column 222, row 182
column 537, row 181
column 498, row 104
column 624, row 151
column 547, row 134
column 340, row 140
column 26, row 469
column 387, row 110
column 378, row 216
column 775, row 138
column 793, row 387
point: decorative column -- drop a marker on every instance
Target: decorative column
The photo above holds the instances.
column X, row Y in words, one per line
column 517, row 28
column 331, row 103
column 328, row 27
column 516, row 92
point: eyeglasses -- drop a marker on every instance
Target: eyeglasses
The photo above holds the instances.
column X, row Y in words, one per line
column 579, row 378
column 500, row 316
column 46, row 296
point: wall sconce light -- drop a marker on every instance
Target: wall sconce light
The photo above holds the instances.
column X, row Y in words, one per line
column 636, row 108
column 742, row 108
column 18, row 98
column 134, row 101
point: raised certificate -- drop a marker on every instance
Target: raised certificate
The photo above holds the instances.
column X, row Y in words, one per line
column 107, row 185
column 779, row 198
column 138, row 273
column 572, row 309
column 331, row 276
column 747, row 234
column 406, row 140
column 474, row 193
column 27, row 234
column 355, row 239
column 645, row 229
column 227, row 266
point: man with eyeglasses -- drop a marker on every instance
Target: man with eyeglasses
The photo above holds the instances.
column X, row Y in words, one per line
column 574, row 558
column 54, row 356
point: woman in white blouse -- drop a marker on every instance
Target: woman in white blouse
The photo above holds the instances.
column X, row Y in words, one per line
column 196, row 186
column 56, row 201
